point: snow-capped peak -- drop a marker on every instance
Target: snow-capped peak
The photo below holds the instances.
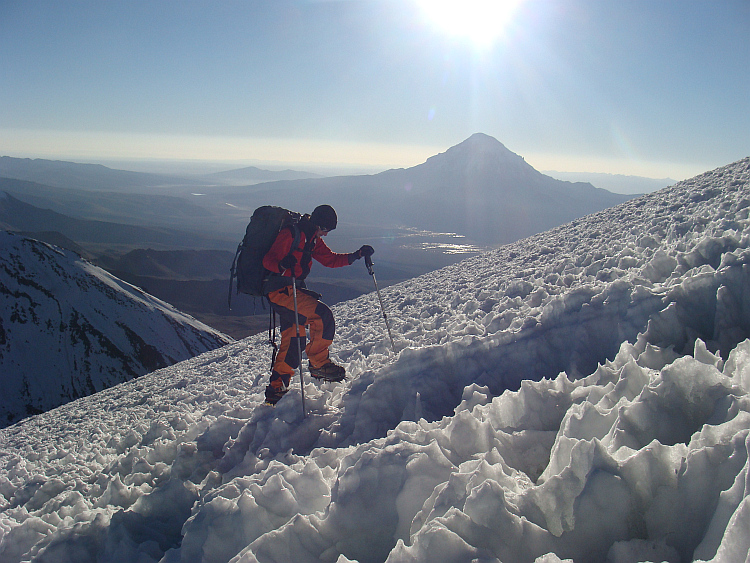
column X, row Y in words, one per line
column 69, row 329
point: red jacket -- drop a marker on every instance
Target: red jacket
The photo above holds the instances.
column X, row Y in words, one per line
column 320, row 252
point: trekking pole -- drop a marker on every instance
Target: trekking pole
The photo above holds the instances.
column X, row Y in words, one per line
column 368, row 263
column 299, row 344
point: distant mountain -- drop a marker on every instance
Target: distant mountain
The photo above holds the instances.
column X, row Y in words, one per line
column 170, row 209
column 69, row 329
column 477, row 188
column 15, row 215
column 617, row 183
column 253, row 175
column 63, row 174
column 481, row 189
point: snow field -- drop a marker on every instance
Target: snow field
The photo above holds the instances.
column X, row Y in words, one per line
column 581, row 394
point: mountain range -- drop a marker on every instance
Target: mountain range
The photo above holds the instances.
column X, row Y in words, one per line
column 255, row 175
column 474, row 196
column 69, row 329
column 95, row 177
column 478, row 189
column 19, row 216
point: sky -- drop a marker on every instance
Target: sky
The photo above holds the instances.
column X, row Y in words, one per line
column 656, row 89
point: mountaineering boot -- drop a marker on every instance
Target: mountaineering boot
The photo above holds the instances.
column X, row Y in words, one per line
column 274, row 394
column 328, row 372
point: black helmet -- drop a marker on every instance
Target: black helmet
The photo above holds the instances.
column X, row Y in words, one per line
column 324, row 216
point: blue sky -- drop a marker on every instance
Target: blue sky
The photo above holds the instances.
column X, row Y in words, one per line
column 655, row 88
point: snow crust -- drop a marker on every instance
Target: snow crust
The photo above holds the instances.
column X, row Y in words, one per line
column 579, row 395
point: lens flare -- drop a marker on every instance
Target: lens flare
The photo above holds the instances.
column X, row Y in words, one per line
column 482, row 21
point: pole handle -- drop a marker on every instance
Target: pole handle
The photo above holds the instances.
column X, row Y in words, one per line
column 368, row 263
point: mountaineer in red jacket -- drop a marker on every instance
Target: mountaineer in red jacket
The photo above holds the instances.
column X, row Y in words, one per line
column 313, row 313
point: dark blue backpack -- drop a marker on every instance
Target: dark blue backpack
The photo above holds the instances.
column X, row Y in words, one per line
column 260, row 234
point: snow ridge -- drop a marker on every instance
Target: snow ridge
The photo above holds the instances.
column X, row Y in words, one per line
column 92, row 329
column 581, row 394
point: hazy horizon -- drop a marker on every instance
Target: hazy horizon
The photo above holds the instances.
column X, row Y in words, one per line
column 199, row 166
column 189, row 161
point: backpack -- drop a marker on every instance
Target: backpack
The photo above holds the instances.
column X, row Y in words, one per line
column 247, row 267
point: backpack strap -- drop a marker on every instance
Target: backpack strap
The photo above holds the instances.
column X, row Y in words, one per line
column 277, row 280
column 307, row 257
column 294, row 227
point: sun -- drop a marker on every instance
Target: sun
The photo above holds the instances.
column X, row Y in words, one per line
column 481, row 21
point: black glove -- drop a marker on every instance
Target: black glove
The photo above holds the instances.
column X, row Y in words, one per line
column 288, row 262
column 366, row 250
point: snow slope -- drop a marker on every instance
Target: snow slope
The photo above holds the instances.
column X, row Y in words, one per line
column 69, row 329
column 628, row 441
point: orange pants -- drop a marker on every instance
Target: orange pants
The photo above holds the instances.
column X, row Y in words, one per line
column 313, row 314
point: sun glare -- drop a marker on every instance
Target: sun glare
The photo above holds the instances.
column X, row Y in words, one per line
column 482, row 21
